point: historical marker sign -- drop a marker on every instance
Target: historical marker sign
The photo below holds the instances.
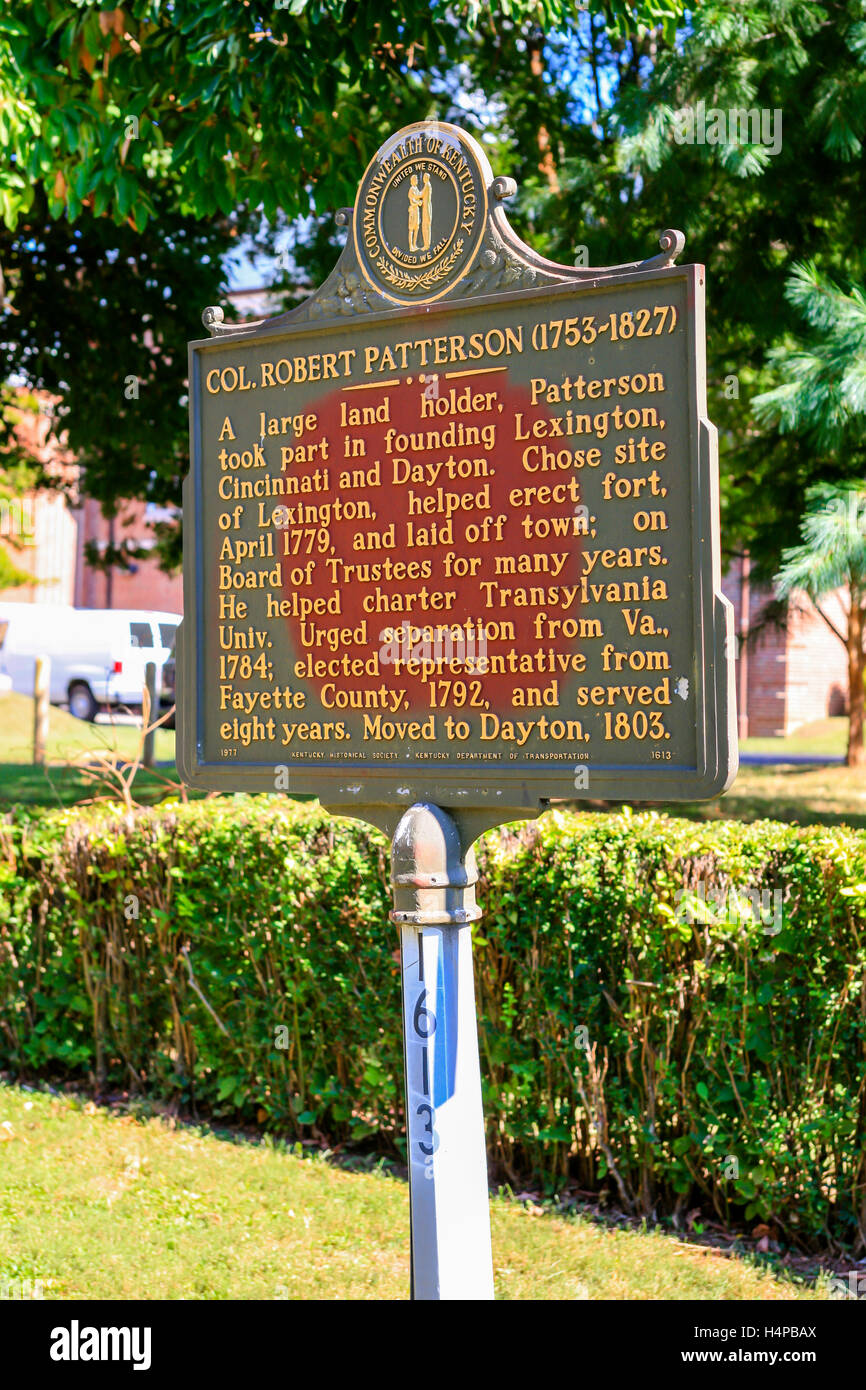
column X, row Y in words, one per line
column 452, row 526
column 451, row 550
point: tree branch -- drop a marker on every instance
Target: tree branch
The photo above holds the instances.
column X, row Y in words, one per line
column 831, row 625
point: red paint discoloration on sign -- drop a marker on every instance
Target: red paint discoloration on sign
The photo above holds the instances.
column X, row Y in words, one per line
column 466, row 504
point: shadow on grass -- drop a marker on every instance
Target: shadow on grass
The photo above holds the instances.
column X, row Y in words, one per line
column 794, row 807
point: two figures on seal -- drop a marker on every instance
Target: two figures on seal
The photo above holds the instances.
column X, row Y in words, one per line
column 420, row 213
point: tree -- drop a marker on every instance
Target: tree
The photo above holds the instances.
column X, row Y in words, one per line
column 610, row 103
column 107, row 107
column 832, row 555
column 822, row 400
column 17, row 477
column 98, row 318
column 823, row 396
column 222, row 112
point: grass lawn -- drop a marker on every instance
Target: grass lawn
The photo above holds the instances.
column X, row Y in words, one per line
column 56, row 783
column 794, row 792
column 66, row 786
column 802, row 794
column 68, row 737
column 823, row 736
column 104, row 1205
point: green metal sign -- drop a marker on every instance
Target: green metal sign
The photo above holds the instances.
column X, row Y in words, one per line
column 451, row 527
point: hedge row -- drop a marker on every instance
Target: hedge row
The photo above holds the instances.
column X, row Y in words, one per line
column 676, row 1051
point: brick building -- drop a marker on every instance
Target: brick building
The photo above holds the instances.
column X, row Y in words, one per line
column 144, row 585
column 45, row 534
column 786, row 675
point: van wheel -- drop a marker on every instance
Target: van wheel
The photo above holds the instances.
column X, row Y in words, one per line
column 81, row 702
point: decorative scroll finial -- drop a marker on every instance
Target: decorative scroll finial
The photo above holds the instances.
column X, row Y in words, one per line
column 212, row 317
column 673, row 243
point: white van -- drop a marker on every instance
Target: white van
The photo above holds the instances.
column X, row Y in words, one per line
column 98, row 655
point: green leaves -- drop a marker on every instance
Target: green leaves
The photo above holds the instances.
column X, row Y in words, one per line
column 201, row 69
column 833, row 548
column 104, row 284
column 823, row 395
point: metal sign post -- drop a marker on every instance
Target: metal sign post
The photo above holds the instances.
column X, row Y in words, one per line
column 434, row 906
column 451, row 552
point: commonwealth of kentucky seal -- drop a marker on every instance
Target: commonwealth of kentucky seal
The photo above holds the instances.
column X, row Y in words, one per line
column 421, row 211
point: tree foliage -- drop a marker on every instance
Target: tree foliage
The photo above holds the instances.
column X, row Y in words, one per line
column 275, row 104
column 139, row 140
column 609, row 104
column 832, row 551
column 99, row 318
column 822, row 400
column 823, row 395
column 245, row 111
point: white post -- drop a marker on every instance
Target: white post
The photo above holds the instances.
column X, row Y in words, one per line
column 451, row 1256
column 153, row 713
column 41, row 693
column 434, row 906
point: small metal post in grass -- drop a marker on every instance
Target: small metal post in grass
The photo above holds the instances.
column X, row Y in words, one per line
column 41, row 691
column 152, row 713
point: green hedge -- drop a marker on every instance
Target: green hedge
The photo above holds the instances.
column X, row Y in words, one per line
column 715, row 1062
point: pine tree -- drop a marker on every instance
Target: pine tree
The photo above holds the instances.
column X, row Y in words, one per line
column 822, row 398
column 832, row 556
column 823, row 394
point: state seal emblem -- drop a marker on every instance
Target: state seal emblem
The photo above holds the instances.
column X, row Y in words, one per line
column 420, row 212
